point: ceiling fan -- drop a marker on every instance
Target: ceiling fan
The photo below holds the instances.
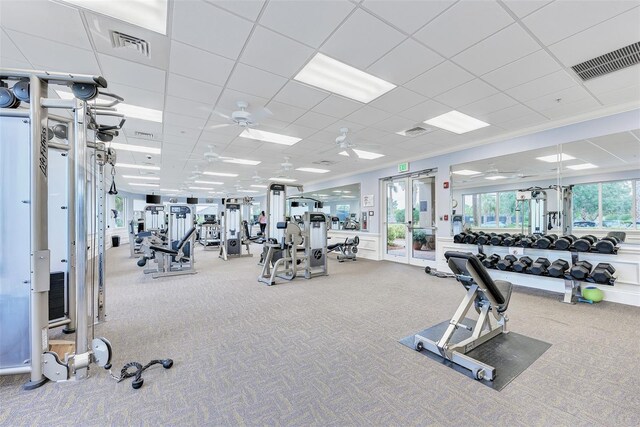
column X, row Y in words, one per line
column 345, row 143
column 285, row 168
column 242, row 117
column 257, row 178
column 209, row 156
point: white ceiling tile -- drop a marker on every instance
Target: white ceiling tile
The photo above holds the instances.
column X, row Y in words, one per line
column 334, row 129
column 568, row 109
column 209, row 28
column 52, row 21
column 399, row 99
column 408, row 15
column 439, row 79
column 299, row 131
column 466, row 93
column 524, row 121
column 300, row 95
column 620, row 31
column 54, row 56
column 212, row 137
column 395, row 124
column 188, row 108
column 621, row 96
column 404, row 62
column 530, row 67
column 462, row 25
column 424, row 111
column 8, row 49
column 275, row 53
column 229, row 99
column 310, row 22
column 249, row 9
column 481, row 108
column 509, row 113
column 367, row 116
column 362, row 40
column 181, row 120
column 500, row 49
column 284, row 112
column 561, row 19
column 136, row 96
column 255, row 82
column 566, row 96
column 620, row 79
column 542, row 86
column 315, row 120
column 175, row 134
column 136, row 125
column 132, row 74
column 194, row 90
column 198, row 64
column 12, row 63
column 337, row 106
column 524, row 7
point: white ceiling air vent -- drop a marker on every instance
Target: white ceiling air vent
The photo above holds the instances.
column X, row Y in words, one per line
column 609, row 62
column 143, row 135
column 125, row 40
column 324, row 162
column 415, row 131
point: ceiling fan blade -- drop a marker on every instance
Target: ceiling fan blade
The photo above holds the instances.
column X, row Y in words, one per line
column 261, row 114
column 352, row 153
column 218, row 113
column 221, row 126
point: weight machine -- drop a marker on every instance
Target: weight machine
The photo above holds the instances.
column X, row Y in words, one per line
column 153, row 223
column 541, row 220
column 27, row 139
column 234, row 233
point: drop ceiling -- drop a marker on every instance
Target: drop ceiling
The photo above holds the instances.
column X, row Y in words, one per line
column 505, row 62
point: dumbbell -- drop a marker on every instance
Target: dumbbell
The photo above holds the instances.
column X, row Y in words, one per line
column 491, row 261
column 522, row 265
column 484, row 239
column 470, row 238
column 505, row 263
column 558, row 268
column 581, row 270
column 459, row 238
column 546, row 241
column 607, row 245
column 539, row 267
column 603, row 273
column 481, row 256
column 584, row 243
column 512, row 240
column 564, row 242
column 527, row 242
column 497, row 239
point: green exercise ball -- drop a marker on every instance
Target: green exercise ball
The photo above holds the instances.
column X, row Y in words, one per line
column 592, row 293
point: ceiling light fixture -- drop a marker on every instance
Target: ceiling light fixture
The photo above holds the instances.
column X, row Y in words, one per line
column 149, row 178
column 337, row 77
column 282, row 179
column 276, row 138
column 243, row 162
column 220, row 174
column 366, row 155
column 258, row 186
column 135, row 148
column 171, row 190
column 209, row 182
column 456, row 122
column 313, row 170
column 554, row 158
column 200, row 188
column 143, row 184
column 582, row 166
column 248, row 191
column 465, row 172
column 149, row 14
column 494, row 177
column 132, row 166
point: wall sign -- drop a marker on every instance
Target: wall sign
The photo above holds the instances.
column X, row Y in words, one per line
column 367, row 200
column 403, row 167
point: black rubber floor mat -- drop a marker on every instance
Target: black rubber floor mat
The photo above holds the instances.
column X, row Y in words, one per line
column 510, row 353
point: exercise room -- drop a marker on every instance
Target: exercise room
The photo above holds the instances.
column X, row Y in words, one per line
column 319, row 212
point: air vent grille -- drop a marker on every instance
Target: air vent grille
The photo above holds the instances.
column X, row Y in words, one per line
column 609, row 62
column 415, row 131
column 140, row 134
column 324, row 162
column 119, row 40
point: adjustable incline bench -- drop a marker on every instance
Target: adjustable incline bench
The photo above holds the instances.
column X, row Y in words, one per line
column 348, row 249
column 490, row 298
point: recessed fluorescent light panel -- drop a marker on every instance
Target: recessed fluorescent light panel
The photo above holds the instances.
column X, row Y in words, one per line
column 456, row 122
column 220, row 174
column 282, row 179
column 148, row 178
column 258, row 186
column 276, row 138
column 337, row 77
column 130, row 111
column 554, row 158
column 171, row 190
column 200, row 188
column 466, row 172
column 149, row 14
column 363, row 154
column 313, row 170
column 248, row 191
column 582, row 166
column 135, row 148
column 143, row 184
column 243, row 162
column 494, row 177
column 209, row 182
column 131, row 166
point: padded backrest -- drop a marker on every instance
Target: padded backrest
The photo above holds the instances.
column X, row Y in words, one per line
column 620, row 235
column 186, row 238
column 466, row 264
column 281, row 225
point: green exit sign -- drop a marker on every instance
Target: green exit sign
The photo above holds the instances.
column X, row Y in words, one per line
column 403, row 167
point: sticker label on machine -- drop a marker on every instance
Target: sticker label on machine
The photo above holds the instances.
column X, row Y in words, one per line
column 317, row 217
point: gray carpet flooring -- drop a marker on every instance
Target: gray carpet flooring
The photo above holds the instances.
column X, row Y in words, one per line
column 325, row 351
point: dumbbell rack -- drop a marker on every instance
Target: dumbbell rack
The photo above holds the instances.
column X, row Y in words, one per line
column 571, row 285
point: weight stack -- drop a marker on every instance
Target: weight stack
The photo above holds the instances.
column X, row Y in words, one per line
column 56, row 295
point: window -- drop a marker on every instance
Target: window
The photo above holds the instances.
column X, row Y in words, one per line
column 116, row 211
column 606, row 205
column 585, row 206
column 617, row 202
column 469, row 211
column 488, row 210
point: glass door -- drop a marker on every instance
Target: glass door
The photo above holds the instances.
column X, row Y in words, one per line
column 410, row 220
